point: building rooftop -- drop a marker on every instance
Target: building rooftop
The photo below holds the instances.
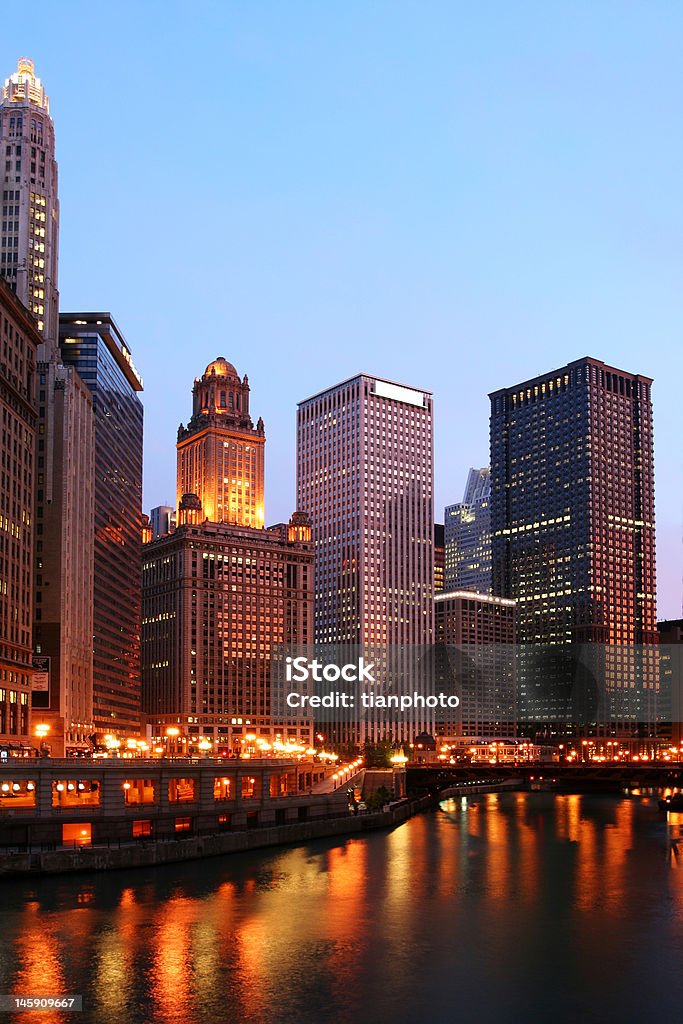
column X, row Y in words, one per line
column 362, row 376
column 105, row 325
column 590, row 360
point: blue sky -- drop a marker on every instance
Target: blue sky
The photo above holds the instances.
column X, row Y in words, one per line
column 456, row 196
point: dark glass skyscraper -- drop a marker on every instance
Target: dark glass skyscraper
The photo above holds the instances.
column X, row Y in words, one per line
column 93, row 344
column 572, row 506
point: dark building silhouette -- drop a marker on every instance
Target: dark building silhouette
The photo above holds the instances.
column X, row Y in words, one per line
column 573, row 536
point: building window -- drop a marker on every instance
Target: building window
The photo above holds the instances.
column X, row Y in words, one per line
column 14, row 795
column 223, row 788
column 77, row 834
column 138, row 791
column 181, row 791
column 75, row 793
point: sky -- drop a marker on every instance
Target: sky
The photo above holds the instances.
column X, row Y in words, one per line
column 455, row 196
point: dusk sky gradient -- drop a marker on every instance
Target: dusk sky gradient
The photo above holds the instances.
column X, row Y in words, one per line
column 454, row 196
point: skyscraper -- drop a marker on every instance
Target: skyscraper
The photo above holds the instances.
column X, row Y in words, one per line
column 63, row 626
column 479, row 631
column 29, row 243
column 467, row 530
column 572, row 507
column 93, row 345
column 365, row 476
column 219, row 596
column 19, row 341
column 671, row 676
column 220, row 452
column 162, row 520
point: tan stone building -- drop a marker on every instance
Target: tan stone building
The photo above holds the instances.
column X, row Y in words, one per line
column 216, row 600
column 65, row 556
column 64, row 452
column 220, row 592
column 220, row 452
column 29, row 242
column 19, row 340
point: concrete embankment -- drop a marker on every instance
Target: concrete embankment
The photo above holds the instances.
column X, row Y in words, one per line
column 151, row 853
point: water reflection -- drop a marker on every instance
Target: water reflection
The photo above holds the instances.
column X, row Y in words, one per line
column 488, row 910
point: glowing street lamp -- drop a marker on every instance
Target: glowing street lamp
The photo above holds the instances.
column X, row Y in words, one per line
column 172, row 733
column 111, row 743
column 42, row 731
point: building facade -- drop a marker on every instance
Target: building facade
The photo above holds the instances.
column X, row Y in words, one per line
column 572, row 517
column 365, row 477
column 439, row 557
column 64, row 558
column 220, row 596
column 478, row 632
column 467, row 534
column 94, row 347
column 671, row 676
column 162, row 520
column 19, row 341
column 29, row 243
column 217, row 601
column 220, row 452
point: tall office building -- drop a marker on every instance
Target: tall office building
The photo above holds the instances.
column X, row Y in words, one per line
column 479, row 632
column 30, row 207
column 63, row 626
column 572, row 512
column 365, row 476
column 162, row 520
column 220, row 452
column 19, row 342
column 93, row 345
column 29, row 244
column 218, row 597
column 671, row 676
column 467, row 530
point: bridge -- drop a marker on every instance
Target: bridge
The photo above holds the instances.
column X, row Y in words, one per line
column 589, row 778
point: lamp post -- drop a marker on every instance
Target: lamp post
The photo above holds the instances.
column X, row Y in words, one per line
column 42, row 731
column 398, row 762
column 172, row 734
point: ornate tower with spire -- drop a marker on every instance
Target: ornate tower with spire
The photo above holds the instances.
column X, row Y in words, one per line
column 221, row 453
column 29, row 240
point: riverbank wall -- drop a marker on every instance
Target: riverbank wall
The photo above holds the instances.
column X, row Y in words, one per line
column 166, row 851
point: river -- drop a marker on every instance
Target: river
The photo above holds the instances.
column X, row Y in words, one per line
column 507, row 907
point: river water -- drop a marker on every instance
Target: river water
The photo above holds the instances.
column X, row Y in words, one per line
column 507, row 908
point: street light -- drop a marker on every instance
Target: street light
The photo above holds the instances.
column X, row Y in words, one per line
column 398, row 762
column 172, row 733
column 42, row 731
